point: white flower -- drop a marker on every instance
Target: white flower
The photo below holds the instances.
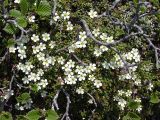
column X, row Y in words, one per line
column 103, row 36
column 35, row 49
column 27, row 67
column 22, row 55
column 127, row 76
column 65, row 15
column 60, row 60
column 81, row 44
column 97, row 83
column 97, row 52
column 33, row 77
column 137, row 82
column 120, row 92
column 31, row 18
column 35, row 38
column 46, row 36
column 81, row 76
column 53, row 60
column 21, row 108
column 90, row 101
column 92, row 13
column 12, row 49
column 25, row 80
column 69, row 26
column 82, row 35
column 136, row 58
column 122, row 103
column 138, row 100
column 91, row 77
column 96, row 32
column 43, row 83
column 17, row 1
column 128, row 93
column 72, row 48
column 80, row 90
column 70, row 80
column 42, row 46
column 56, row 17
column 150, row 86
column 105, row 65
column 21, row 48
column 52, row 44
column 20, row 66
column 129, row 56
column 40, row 72
column 40, row 56
column 103, row 48
column 110, row 39
column 92, row 67
column 79, row 69
column 47, row 61
column 70, row 64
column 139, row 109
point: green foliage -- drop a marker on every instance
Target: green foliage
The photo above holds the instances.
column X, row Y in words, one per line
column 10, row 28
column 21, row 117
column 22, row 22
column 51, row 115
column 154, row 99
column 15, row 13
column 10, row 42
column 24, row 6
column 30, row 100
column 31, row 2
column 5, row 116
column 131, row 116
column 133, row 105
column 20, row 18
column 44, row 9
column 34, row 87
column 23, row 97
column 33, row 114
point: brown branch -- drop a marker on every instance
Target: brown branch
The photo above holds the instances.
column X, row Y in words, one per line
column 66, row 114
column 95, row 104
column 4, row 57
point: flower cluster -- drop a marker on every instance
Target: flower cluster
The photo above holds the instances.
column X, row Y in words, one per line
column 119, row 61
column 64, row 17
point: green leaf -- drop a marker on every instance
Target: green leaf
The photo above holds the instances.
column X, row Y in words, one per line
column 135, row 2
column 22, row 22
column 24, row 6
column 5, row 116
column 10, row 42
column 10, row 28
column 6, row 3
column 38, row 2
column 131, row 116
column 133, row 105
column 15, row 13
column 51, row 115
column 23, row 98
column 34, row 114
column 34, row 87
column 21, row 117
column 31, row 2
column 154, row 99
column 44, row 9
column 155, row 2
